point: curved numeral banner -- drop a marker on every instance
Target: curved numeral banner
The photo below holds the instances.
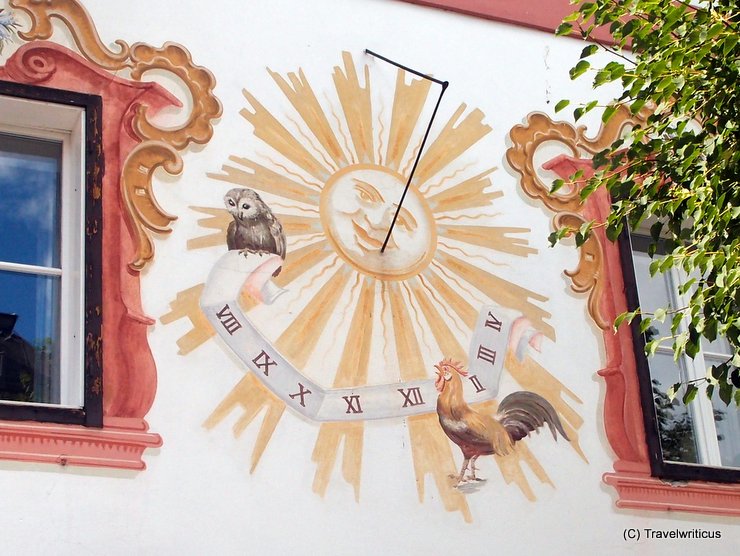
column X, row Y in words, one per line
column 496, row 331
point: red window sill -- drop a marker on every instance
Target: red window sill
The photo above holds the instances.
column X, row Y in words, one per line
column 119, row 444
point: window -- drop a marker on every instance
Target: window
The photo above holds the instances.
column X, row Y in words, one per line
column 49, row 275
column 700, row 440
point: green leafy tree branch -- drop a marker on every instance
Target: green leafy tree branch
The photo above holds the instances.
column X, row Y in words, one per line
column 679, row 65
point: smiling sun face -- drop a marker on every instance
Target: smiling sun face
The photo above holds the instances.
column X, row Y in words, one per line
column 357, row 208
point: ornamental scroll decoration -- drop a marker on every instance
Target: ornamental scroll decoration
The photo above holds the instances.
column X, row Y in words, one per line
column 539, row 132
column 159, row 147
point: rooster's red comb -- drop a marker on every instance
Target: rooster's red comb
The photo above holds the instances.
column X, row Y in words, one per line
column 457, row 365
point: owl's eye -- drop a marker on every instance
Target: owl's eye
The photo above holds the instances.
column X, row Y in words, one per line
column 245, row 206
column 232, row 203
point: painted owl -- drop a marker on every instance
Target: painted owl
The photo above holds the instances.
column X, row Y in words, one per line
column 254, row 229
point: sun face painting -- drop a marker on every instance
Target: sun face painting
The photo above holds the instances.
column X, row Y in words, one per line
column 357, row 207
column 351, row 320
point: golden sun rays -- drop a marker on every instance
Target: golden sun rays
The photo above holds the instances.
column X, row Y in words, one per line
column 359, row 317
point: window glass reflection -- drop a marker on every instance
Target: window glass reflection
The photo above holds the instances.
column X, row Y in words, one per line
column 654, row 293
column 29, row 338
column 674, row 419
column 675, row 424
column 727, row 421
column 30, row 201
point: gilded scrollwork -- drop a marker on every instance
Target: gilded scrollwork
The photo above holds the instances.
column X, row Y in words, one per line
column 80, row 24
column 143, row 211
column 139, row 201
column 570, row 211
column 200, row 82
column 586, row 277
column 527, row 139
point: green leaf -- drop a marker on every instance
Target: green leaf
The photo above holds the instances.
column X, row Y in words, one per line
column 690, row 394
column 579, row 69
column 729, row 43
column 561, row 104
column 725, row 392
column 671, row 392
column 590, row 106
column 666, row 263
column 627, row 317
column 677, row 318
column 664, row 83
column 608, row 113
column 619, row 320
column 613, row 230
column 735, row 377
column 589, row 50
column 557, row 235
column 659, row 314
column 651, row 347
column 587, row 9
column 679, row 344
column 692, row 345
column 601, row 77
column 686, row 286
column 710, row 330
column 564, row 29
column 556, row 184
column 636, row 106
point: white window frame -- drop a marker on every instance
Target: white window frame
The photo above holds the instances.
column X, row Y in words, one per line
column 700, row 409
column 65, row 124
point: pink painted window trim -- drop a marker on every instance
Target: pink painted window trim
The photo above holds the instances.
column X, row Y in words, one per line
column 129, row 373
column 623, row 415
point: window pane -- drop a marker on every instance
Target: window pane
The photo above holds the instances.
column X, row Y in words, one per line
column 30, row 201
column 720, row 346
column 653, row 292
column 727, row 421
column 29, row 347
column 674, row 419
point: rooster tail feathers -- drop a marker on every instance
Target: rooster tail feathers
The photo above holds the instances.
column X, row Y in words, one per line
column 523, row 412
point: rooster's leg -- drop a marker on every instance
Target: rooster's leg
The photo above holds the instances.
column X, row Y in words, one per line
column 461, row 478
column 473, row 468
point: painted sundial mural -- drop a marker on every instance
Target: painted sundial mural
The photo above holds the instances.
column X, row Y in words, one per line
column 338, row 332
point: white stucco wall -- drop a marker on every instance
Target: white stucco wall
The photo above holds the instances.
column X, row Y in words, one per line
column 197, row 495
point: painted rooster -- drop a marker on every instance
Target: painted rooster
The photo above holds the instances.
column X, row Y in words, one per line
column 480, row 435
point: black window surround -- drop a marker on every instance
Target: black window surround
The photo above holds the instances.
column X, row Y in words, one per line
column 91, row 414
